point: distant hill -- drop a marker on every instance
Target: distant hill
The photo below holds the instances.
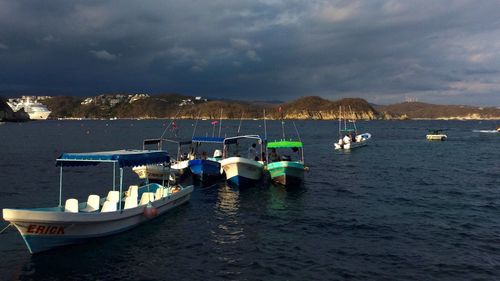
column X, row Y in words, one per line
column 420, row 110
column 121, row 105
column 170, row 105
column 314, row 107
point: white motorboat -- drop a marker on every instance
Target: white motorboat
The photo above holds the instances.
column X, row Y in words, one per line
column 349, row 138
column 359, row 140
column 46, row 228
column 436, row 135
column 161, row 172
column 240, row 170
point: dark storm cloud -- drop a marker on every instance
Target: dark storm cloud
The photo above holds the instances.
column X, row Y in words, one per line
column 436, row 51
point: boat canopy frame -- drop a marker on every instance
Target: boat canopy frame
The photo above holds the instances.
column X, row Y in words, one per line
column 198, row 140
column 234, row 140
column 278, row 144
column 159, row 143
column 436, row 132
column 124, row 158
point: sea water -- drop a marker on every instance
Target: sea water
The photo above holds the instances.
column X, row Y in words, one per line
column 401, row 208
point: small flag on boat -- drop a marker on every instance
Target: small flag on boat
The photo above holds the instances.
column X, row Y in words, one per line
column 215, row 122
column 174, row 129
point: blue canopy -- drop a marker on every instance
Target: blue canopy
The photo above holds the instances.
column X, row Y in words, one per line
column 208, row 139
column 124, row 158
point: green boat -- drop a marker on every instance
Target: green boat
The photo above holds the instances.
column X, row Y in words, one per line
column 282, row 168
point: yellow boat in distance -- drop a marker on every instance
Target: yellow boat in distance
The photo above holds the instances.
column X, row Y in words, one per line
column 436, row 135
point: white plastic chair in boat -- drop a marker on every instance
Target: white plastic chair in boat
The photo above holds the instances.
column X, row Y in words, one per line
column 133, row 190
column 166, row 191
column 130, row 202
column 109, row 206
column 147, row 197
column 159, row 193
column 113, row 196
column 92, row 203
column 71, row 205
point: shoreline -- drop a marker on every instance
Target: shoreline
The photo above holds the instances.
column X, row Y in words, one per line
column 274, row 119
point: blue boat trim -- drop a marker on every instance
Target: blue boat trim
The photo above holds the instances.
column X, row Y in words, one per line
column 124, row 158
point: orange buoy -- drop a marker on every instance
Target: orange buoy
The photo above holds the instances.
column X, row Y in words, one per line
column 150, row 211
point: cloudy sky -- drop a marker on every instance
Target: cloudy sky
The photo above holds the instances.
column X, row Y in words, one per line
column 383, row 50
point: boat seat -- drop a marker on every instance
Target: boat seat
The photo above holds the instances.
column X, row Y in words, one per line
column 147, row 197
column 113, row 196
column 166, row 191
column 71, row 205
column 130, row 202
column 159, row 194
column 92, row 203
column 109, row 206
column 133, row 190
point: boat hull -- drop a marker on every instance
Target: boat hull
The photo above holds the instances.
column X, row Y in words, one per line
column 180, row 168
column 158, row 173
column 205, row 170
column 287, row 173
column 43, row 230
column 242, row 171
column 152, row 172
column 39, row 115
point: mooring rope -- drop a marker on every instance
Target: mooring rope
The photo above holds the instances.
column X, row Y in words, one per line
column 5, row 228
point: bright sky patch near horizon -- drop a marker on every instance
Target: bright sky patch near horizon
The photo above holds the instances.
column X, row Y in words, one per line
column 444, row 51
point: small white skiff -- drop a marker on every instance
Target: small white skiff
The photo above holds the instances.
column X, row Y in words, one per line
column 359, row 141
column 46, row 228
column 436, row 135
column 162, row 172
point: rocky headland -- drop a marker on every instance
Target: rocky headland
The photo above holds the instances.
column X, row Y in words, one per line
column 141, row 106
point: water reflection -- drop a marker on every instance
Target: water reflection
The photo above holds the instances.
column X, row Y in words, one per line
column 228, row 200
column 229, row 229
column 285, row 199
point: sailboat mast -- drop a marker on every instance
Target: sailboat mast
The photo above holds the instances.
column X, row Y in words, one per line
column 170, row 124
column 220, row 121
column 345, row 121
column 340, row 121
column 196, row 124
column 239, row 126
column 282, row 123
column 353, row 120
column 297, row 131
column 265, row 126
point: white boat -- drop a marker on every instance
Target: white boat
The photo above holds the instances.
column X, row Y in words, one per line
column 360, row 140
column 239, row 170
column 34, row 109
column 161, row 172
column 349, row 138
column 46, row 228
column 436, row 135
column 487, row 131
